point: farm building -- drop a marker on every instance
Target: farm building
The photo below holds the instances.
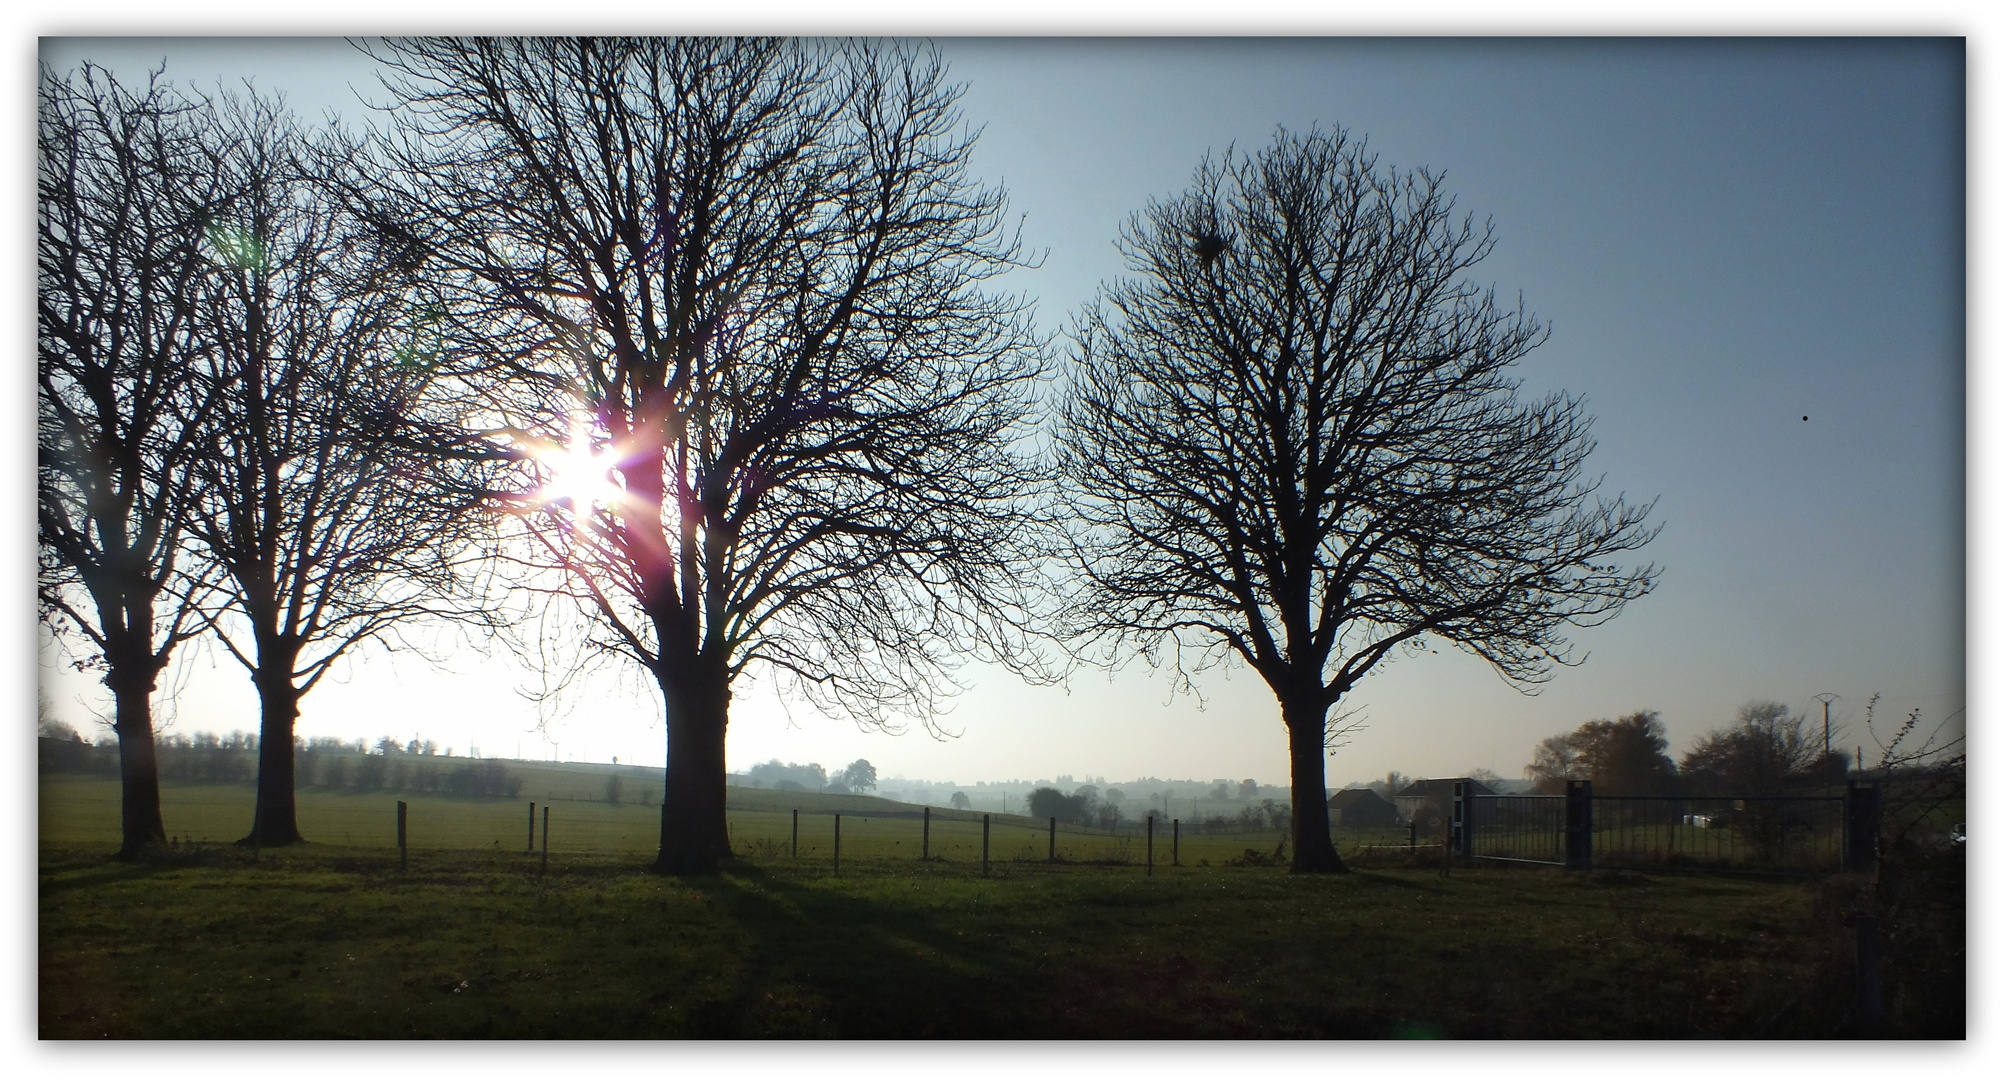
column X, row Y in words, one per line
column 1361, row 808
column 1431, row 801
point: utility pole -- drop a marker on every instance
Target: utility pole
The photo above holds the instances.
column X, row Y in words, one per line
column 1826, row 699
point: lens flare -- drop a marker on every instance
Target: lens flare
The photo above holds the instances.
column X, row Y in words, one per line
column 578, row 475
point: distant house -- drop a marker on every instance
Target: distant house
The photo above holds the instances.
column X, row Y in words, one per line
column 1361, row 808
column 1431, row 801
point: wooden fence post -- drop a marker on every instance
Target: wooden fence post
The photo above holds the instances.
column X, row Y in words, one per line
column 1151, row 847
column 1053, row 857
column 546, row 839
column 1175, row 841
column 838, row 845
column 984, row 845
column 531, row 849
column 403, row 851
column 925, row 836
column 796, row 832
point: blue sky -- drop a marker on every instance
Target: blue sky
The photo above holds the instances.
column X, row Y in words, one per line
column 1725, row 237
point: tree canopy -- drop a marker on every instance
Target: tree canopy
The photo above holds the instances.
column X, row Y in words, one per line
column 1766, row 750
column 731, row 299
column 122, row 201
column 1625, row 756
column 1293, row 440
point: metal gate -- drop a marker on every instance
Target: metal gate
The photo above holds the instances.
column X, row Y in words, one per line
column 1808, row 834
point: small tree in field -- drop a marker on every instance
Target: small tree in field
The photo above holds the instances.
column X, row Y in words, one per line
column 860, row 776
column 1047, row 802
column 1294, row 441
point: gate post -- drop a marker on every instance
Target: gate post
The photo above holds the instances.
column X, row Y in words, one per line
column 1869, row 996
column 1862, row 803
column 1579, row 824
column 1461, row 831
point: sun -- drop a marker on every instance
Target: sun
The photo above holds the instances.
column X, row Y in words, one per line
column 576, row 474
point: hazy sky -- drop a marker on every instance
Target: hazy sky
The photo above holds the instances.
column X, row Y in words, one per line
column 1725, row 237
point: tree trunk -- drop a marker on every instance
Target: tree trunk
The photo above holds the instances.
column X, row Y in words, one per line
column 277, row 819
column 1314, row 850
column 131, row 680
column 693, row 831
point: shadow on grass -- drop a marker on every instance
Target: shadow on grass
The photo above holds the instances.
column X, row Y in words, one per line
column 338, row 943
column 822, row 961
column 72, row 870
column 828, row 963
column 863, row 967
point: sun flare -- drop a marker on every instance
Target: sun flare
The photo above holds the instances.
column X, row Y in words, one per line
column 577, row 474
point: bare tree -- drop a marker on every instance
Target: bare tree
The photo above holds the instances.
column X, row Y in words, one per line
column 1622, row 757
column 1555, row 761
column 121, row 206
column 1766, row 750
column 732, row 295
column 1393, row 783
column 1488, row 778
column 1294, row 441
column 330, row 524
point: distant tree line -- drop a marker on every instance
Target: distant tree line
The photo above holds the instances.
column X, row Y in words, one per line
column 325, row 763
column 1267, row 814
column 1766, row 750
column 1082, row 807
column 1085, row 806
column 858, row 776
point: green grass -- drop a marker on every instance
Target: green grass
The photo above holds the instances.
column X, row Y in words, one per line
column 84, row 810
column 320, row 941
column 329, row 939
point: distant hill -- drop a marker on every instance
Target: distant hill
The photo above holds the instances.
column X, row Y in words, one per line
column 539, row 781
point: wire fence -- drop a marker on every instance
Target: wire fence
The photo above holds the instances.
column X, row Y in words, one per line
column 1802, row 833
column 1775, row 834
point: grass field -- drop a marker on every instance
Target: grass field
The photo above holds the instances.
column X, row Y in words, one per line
column 328, row 942
column 329, row 939
column 84, row 810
